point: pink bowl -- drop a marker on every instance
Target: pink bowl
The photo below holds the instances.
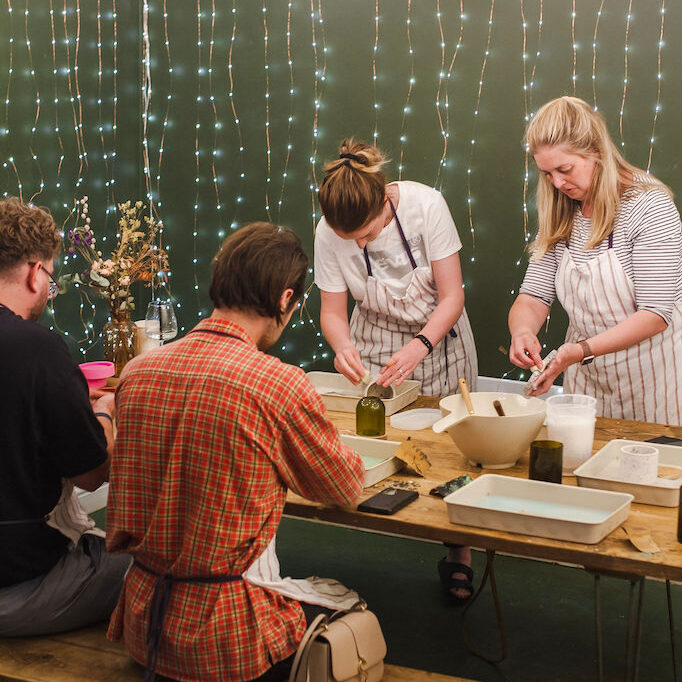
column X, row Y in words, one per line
column 96, row 373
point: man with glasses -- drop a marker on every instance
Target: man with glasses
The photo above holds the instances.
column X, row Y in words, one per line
column 55, row 574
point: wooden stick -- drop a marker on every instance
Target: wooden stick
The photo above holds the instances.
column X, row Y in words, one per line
column 498, row 408
column 464, row 390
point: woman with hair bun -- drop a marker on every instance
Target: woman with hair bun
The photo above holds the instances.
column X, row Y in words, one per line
column 609, row 247
column 394, row 246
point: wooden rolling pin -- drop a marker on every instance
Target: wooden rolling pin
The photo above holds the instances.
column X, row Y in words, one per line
column 466, row 396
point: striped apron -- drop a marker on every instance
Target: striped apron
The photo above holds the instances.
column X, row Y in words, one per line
column 382, row 323
column 642, row 382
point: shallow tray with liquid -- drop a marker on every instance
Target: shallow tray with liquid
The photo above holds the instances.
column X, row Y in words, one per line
column 547, row 510
column 378, row 457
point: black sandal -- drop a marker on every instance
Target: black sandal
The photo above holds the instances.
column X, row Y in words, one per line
column 445, row 570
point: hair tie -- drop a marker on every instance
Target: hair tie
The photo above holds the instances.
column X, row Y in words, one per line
column 354, row 157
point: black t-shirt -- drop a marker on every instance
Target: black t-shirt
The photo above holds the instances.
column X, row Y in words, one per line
column 47, row 431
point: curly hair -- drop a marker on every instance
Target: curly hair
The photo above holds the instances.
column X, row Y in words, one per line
column 26, row 232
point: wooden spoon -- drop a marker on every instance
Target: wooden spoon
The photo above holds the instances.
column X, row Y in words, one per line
column 466, row 396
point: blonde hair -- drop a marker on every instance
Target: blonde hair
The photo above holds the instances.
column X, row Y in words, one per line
column 354, row 188
column 572, row 123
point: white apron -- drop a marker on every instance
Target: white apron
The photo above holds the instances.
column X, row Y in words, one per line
column 642, row 382
column 382, row 323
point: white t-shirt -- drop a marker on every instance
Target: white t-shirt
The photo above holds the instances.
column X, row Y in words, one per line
column 428, row 227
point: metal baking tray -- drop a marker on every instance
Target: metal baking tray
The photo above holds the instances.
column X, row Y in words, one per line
column 377, row 455
column 547, row 510
column 340, row 395
column 601, row 471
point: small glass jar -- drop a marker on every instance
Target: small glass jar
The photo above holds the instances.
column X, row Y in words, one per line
column 370, row 417
column 545, row 461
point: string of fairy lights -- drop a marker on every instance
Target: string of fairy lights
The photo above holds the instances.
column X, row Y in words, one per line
column 62, row 125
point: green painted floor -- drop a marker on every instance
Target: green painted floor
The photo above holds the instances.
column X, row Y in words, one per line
column 548, row 610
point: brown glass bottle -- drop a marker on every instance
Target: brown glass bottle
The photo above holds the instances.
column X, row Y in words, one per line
column 370, row 417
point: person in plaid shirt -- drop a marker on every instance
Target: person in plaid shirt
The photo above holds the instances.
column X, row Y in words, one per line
column 212, row 432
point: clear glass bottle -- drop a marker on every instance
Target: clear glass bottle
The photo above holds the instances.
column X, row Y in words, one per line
column 370, row 417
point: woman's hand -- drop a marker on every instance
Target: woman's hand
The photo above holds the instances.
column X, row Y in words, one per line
column 349, row 363
column 524, row 350
column 566, row 355
column 403, row 363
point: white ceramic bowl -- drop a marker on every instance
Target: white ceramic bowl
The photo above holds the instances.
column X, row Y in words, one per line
column 485, row 438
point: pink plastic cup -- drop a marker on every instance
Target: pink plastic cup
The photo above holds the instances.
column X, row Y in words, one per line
column 96, row 373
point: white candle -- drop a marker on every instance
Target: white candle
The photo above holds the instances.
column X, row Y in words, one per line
column 638, row 463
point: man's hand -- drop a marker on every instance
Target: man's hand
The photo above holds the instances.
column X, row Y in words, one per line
column 105, row 403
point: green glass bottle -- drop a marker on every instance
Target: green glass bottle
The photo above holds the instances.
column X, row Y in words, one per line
column 370, row 417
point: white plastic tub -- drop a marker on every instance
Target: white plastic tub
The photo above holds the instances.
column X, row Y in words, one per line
column 340, row 395
column 602, row 471
column 377, row 455
column 548, row 510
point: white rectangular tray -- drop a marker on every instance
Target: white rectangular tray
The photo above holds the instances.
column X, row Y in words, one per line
column 378, row 456
column 547, row 510
column 339, row 394
column 601, row 471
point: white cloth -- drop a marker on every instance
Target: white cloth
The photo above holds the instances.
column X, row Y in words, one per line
column 264, row 572
column 643, row 382
column 69, row 518
column 428, row 227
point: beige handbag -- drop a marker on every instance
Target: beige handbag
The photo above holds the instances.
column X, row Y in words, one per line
column 347, row 646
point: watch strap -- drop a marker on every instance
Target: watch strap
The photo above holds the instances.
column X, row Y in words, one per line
column 588, row 355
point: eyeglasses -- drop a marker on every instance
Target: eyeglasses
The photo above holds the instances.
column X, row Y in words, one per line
column 54, row 284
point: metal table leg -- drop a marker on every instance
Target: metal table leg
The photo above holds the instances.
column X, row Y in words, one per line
column 489, row 573
column 597, row 618
column 672, row 627
column 634, row 632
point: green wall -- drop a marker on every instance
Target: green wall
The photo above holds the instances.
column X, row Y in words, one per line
column 327, row 88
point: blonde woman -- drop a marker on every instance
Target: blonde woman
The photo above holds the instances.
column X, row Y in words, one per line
column 609, row 247
column 395, row 247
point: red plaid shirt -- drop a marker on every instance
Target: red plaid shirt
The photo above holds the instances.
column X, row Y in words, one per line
column 211, row 434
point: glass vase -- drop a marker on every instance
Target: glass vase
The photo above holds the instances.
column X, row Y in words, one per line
column 118, row 338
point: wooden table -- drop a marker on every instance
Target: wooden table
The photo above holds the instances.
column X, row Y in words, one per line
column 427, row 518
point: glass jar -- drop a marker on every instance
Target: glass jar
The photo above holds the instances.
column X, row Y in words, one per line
column 545, row 461
column 118, row 340
column 370, row 417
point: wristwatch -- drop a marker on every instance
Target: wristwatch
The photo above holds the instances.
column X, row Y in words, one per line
column 588, row 355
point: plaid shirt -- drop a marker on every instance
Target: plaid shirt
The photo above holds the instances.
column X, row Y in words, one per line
column 212, row 432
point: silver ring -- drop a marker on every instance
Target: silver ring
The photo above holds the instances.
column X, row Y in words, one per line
column 400, row 370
